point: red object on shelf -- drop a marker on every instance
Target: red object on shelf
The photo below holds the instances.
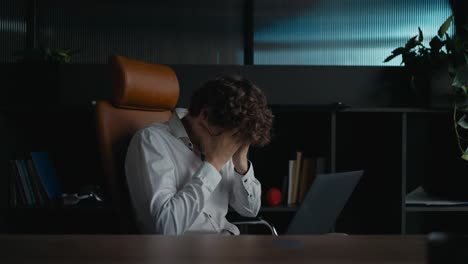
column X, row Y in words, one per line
column 273, row 196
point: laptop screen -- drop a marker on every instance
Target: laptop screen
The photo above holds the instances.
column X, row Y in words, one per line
column 323, row 202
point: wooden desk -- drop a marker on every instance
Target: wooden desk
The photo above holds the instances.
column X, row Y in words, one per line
column 211, row 249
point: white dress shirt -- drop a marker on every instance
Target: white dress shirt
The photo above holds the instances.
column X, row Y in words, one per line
column 174, row 192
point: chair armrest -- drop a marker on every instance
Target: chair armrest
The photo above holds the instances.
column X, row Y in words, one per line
column 256, row 221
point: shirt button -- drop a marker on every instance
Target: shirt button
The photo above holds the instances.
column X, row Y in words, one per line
column 250, row 195
column 245, row 180
column 209, row 215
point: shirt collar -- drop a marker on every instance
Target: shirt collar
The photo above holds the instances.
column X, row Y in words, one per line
column 177, row 128
column 175, row 123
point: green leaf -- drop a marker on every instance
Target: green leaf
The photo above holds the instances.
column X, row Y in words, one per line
column 465, row 155
column 420, row 37
column 458, row 84
column 445, row 26
column 463, row 123
column 457, row 80
column 389, row 58
column 436, row 44
column 398, row 51
column 395, row 52
column 411, row 43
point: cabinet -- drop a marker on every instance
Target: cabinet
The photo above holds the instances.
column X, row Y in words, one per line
column 433, row 160
column 399, row 149
column 68, row 135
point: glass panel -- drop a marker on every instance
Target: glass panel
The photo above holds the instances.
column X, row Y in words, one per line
column 340, row 32
column 172, row 32
column 12, row 29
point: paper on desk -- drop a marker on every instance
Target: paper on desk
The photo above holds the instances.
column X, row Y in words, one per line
column 419, row 197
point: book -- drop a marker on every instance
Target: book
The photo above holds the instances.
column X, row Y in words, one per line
column 24, row 183
column 38, row 187
column 20, row 195
column 12, row 186
column 302, row 172
column 307, row 176
column 292, row 169
column 295, row 190
column 47, row 174
column 29, row 181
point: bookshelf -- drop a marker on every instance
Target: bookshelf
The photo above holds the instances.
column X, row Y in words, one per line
column 67, row 133
column 434, row 213
column 390, row 144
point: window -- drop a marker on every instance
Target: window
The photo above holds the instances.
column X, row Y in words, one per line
column 171, row 32
column 12, row 29
column 340, row 32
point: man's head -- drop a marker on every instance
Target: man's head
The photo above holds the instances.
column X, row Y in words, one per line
column 233, row 102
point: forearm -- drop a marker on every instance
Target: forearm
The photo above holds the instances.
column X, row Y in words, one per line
column 246, row 193
column 241, row 163
column 174, row 213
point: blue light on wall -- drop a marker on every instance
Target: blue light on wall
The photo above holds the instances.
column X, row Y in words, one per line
column 341, row 32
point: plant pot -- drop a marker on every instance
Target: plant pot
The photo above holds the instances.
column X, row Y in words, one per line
column 422, row 90
column 441, row 89
column 449, row 182
column 433, row 89
column 446, row 173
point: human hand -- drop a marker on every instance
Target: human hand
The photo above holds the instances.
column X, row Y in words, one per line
column 219, row 146
column 239, row 159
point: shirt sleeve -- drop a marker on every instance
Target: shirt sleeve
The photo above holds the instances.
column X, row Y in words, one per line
column 246, row 193
column 152, row 184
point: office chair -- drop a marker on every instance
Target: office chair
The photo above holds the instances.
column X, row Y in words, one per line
column 144, row 93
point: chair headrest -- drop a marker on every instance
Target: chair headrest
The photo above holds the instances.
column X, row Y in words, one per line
column 143, row 86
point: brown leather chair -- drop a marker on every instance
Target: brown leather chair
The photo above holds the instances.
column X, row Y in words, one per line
column 143, row 93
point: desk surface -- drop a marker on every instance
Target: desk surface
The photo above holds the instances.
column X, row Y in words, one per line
column 211, row 249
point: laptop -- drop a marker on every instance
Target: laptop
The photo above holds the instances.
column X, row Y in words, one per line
column 323, row 203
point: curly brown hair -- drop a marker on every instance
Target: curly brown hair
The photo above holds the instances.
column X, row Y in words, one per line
column 232, row 101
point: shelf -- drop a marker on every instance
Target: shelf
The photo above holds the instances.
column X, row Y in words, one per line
column 419, row 201
column 333, row 107
column 290, row 208
column 436, row 208
column 394, row 110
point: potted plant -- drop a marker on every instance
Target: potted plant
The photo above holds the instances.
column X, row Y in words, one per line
column 422, row 62
column 447, row 55
column 45, row 55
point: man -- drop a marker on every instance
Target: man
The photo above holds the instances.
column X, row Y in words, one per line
column 182, row 175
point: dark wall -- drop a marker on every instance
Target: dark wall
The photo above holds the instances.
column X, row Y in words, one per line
column 365, row 86
column 35, row 102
